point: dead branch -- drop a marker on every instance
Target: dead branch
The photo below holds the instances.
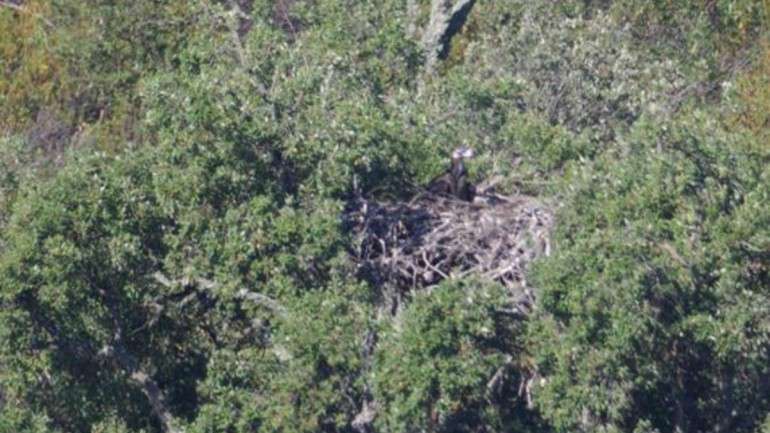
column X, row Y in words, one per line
column 495, row 383
column 147, row 384
column 261, row 299
column 446, row 19
column 362, row 422
column 247, row 295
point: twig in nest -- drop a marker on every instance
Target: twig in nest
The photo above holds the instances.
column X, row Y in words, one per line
column 429, row 239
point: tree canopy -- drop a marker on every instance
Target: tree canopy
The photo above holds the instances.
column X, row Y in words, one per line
column 174, row 176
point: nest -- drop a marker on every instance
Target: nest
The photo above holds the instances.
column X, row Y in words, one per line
column 407, row 246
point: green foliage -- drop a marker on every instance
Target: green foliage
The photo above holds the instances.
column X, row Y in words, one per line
column 659, row 286
column 435, row 360
column 306, row 379
column 205, row 242
column 77, row 249
column 14, row 163
column 29, row 71
column 14, row 419
column 585, row 73
column 79, row 276
column 698, row 28
column 765, row 427
column 81, row 61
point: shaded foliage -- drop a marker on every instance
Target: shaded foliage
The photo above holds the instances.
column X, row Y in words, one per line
column 173, row 176
column 659, row 287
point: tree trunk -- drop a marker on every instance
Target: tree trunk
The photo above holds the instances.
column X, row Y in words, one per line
column 446, row 19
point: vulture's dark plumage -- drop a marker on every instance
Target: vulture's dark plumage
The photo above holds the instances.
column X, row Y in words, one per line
column 454, row 181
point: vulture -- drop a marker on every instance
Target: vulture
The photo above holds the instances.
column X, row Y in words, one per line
column 454, row 181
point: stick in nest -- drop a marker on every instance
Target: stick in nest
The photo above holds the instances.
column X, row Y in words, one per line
column 431, row 238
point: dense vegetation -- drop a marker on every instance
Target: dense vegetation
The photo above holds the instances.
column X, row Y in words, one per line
column 173, row 175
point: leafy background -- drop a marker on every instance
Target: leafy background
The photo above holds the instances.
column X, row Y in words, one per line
column 218, row 143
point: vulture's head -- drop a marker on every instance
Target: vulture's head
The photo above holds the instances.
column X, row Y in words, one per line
column 462, row 152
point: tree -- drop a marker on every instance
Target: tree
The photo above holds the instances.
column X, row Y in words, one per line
column 654, row 310
column 449, row 362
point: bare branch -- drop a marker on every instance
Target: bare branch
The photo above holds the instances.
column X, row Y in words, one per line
column 149, row 387
column 667, row 247
column 412, row 11
column 446, row 20
column 494, row 384
column 13, row 6
column 363, row 420
column 261, row 299
column 159, row 277
column 207, row 284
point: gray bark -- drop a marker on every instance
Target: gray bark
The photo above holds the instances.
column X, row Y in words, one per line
column 412, row 11
column 446, row 19
column 127, row 363
column 244, row 294
column 146, row 383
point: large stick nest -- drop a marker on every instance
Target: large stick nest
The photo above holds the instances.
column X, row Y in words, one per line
column 411, row 245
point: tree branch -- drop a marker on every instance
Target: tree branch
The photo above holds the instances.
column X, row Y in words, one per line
column 412, row 11
column 495, row 383
column 13, row 6
column 446, row 20
column 261, row 299
column 243, row 294
column 149, row 387
column 86, row 349
column 362, row 422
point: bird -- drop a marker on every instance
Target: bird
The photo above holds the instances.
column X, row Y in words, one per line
column 454, row 181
